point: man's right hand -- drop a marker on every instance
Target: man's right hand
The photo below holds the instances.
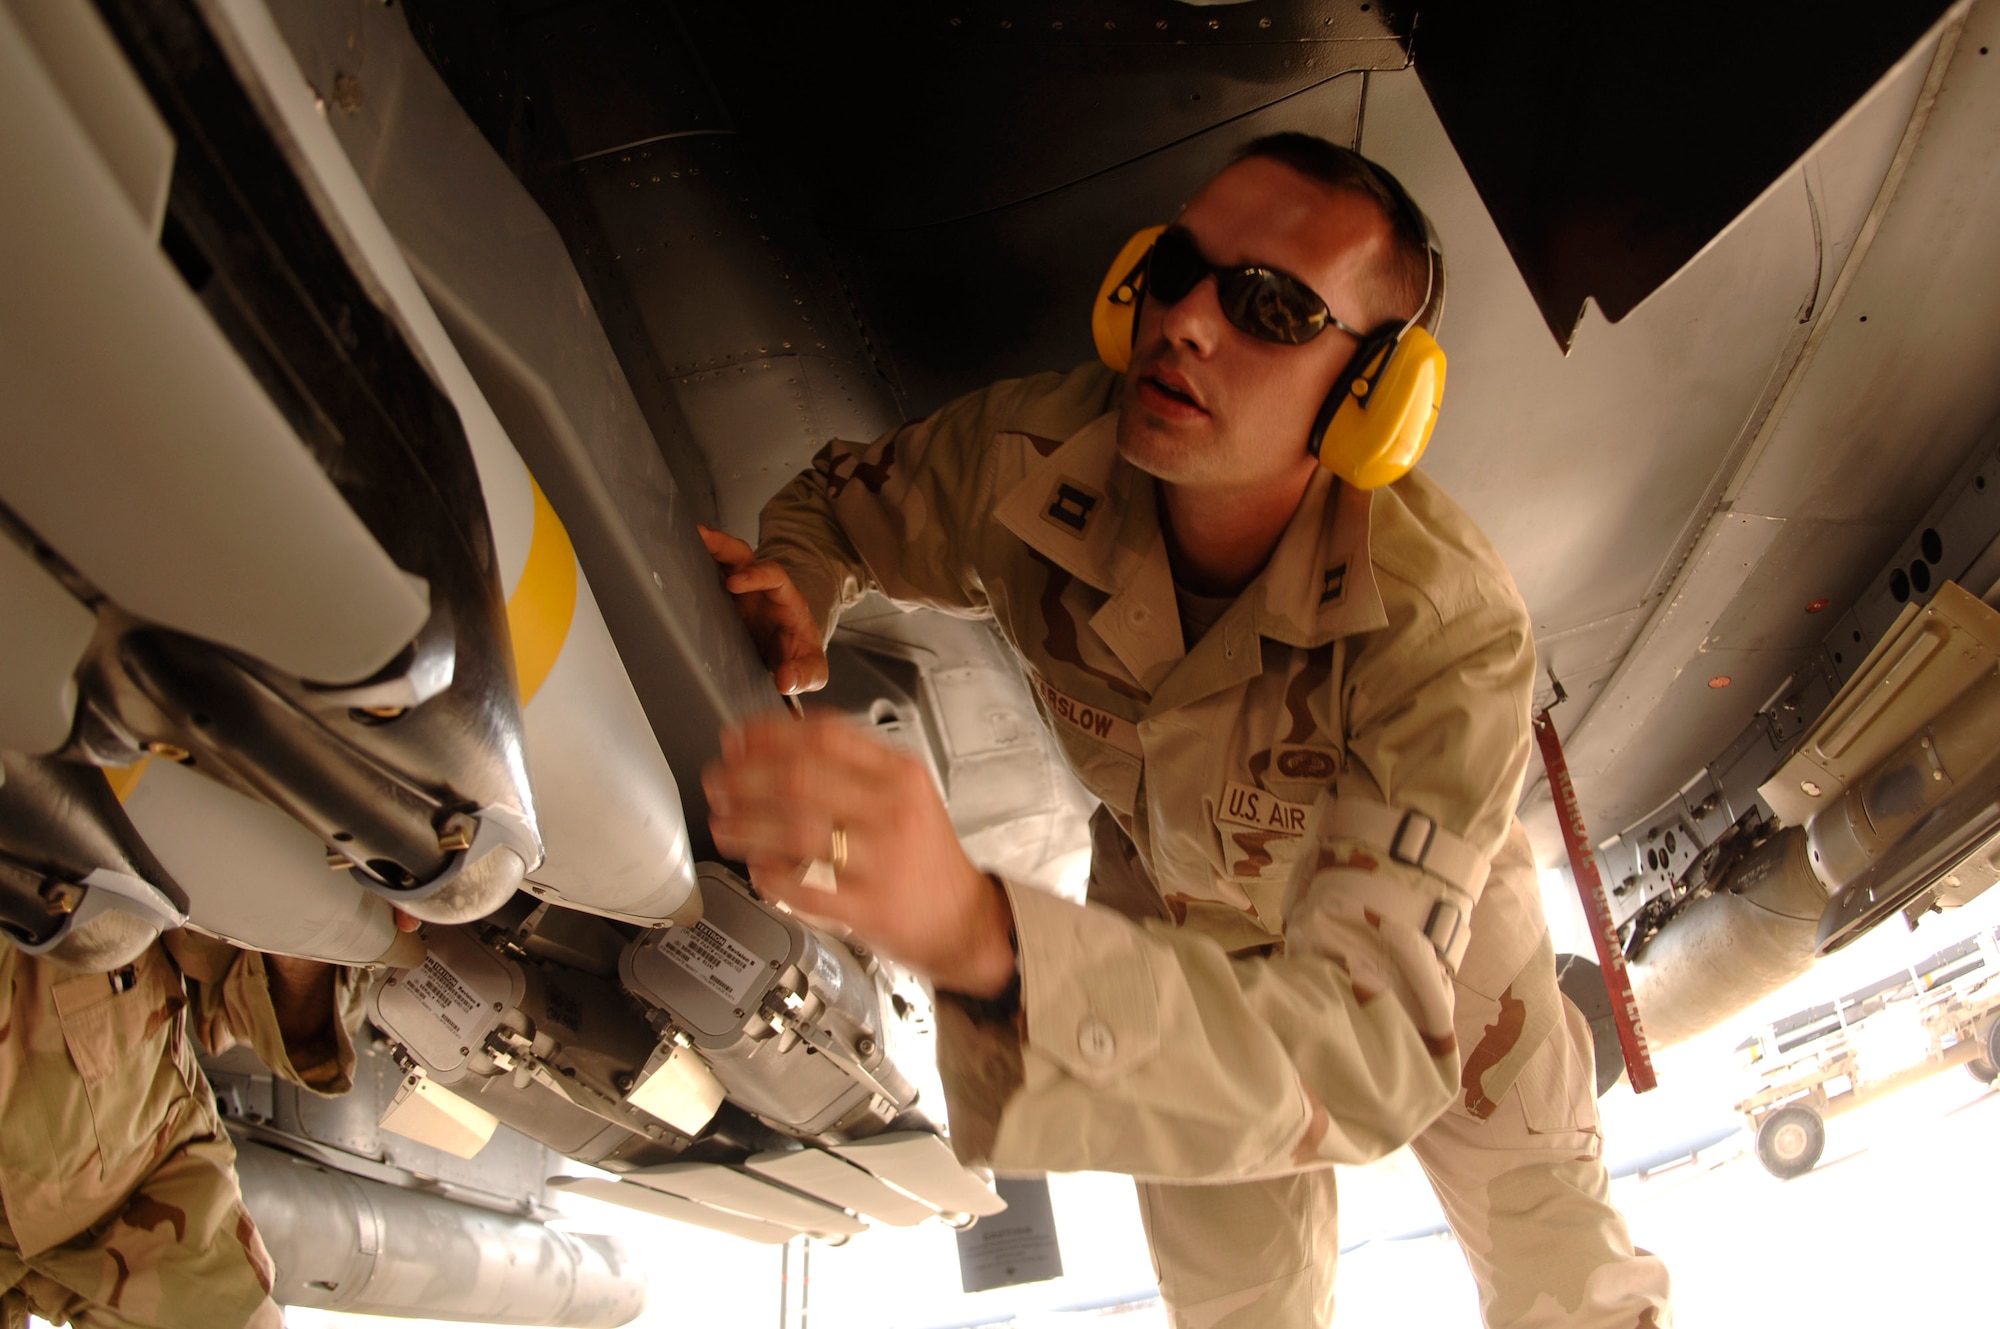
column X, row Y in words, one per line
column 774, row 611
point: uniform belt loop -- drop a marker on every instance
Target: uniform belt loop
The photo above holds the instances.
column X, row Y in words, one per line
column 1445, row 927
column 1424, row 827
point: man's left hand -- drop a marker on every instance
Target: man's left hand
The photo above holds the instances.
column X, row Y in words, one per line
column 906, row 888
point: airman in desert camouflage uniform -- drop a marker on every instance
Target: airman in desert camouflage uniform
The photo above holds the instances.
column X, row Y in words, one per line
column 1314, row 930
column 117, row 1178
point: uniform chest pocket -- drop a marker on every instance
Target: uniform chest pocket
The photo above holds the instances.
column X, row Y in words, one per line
column 132, row 1092
column 1111, row 775
column 1258, row 855
column 120, row 1029
column 1102, row 747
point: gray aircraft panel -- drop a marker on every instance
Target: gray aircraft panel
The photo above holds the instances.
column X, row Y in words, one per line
column 1883, row 414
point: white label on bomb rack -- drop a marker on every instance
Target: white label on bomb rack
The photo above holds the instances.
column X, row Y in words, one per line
column 714, row 957
column 441, row 991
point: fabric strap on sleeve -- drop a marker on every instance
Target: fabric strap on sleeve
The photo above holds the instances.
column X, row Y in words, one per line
column 1409, row 837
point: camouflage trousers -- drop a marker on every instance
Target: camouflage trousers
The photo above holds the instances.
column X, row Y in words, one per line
column 181, row 1253
column 1524, row 1189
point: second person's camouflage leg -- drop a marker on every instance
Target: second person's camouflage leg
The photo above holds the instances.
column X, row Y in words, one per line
column 181, row 1254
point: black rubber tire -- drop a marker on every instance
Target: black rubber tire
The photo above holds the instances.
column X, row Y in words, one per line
column 1790, row 1141
column 1993, row 1041
column 1982, row 1070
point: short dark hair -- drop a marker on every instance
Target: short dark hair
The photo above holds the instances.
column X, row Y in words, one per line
column 1401, row 285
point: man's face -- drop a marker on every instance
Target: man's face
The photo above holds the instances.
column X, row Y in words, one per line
column 1209, row 408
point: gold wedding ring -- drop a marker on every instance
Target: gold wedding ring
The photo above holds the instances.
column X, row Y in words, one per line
column 823, row 874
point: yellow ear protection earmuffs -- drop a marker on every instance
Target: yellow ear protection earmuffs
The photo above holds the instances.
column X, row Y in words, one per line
column 1114, row 318
column 1377, row 420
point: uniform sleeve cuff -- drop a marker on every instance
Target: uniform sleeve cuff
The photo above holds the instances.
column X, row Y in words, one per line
column 324, row 1065
column 1088, row 999
column 979, row 1064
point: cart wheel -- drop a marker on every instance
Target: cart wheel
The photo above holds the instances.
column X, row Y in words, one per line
column 1982, row 1070
column 1993, row 1042
column 1790, row 1141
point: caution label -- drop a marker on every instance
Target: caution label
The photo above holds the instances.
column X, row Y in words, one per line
column 714, row 957
column 443, row 992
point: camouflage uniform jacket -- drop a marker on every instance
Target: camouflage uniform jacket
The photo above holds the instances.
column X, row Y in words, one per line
column 98, row 1080
column 1284, row 1007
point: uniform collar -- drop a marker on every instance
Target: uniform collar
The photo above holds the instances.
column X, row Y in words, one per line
column 1320, row 582
column 1087, row 510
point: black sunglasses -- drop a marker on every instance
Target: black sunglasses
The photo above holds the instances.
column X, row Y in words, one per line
column 1266, row 303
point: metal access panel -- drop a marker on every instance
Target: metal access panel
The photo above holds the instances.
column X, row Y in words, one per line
column 715, row 974
column 923, row 1165
column 742, row 1193
column 837, row 1181
column 791, row 1020
column 646, row 1200
column 443, row 1009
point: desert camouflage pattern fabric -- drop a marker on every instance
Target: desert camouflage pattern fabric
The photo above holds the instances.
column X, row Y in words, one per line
column 1243, row 1000
column 1515, row 1161
column 117, row 1179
